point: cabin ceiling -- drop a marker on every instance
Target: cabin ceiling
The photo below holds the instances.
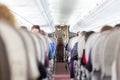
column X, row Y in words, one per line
column 70, row 11
column 78, row 14
column 31, row 12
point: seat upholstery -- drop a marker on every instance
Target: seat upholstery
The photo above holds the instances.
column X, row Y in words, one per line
column 81, row 46
column 37, row 46
column 109, row 51
column 4, row 64
column 90, row 43
column 16, row 52
column 117, row 68
column 43, row 44
column 31, row 53
column 96, row 51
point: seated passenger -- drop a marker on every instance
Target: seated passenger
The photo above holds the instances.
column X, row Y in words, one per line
column 42, row 32
column 41, row 67
column 83, row 59
column 35, row 28
column 105, row 28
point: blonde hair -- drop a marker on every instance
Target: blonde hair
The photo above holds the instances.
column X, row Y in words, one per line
column 5, row 14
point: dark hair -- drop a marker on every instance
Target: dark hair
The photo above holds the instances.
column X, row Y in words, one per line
column 88, row 34
column 117, row 25
column 23, row 27
column 36, row 26
column 106, row 27
column 78, row 33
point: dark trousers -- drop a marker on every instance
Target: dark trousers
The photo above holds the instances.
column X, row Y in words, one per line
column 42, row 71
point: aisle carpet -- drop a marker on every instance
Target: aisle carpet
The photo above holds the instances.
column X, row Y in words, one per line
column 60, row 72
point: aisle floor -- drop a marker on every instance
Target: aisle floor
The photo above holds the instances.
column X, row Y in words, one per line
column 60, row 72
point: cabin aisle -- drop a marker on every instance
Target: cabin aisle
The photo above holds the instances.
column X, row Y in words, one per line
column 60, row 72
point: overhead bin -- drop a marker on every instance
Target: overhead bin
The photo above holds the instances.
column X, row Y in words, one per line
column 105, row 13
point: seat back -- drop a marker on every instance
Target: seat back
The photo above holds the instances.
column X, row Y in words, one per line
column 90, row 42
column 72, row 42
column 31, row 53
column 109, row 51
column 4, row 64
column 81, row 46
column 117, row 68
column 114, row 72
column 46, row 45
column 37, row 46
column 96, row 51
column 43, row 46
column 15, row 51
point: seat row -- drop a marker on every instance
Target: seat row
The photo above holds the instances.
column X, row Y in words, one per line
column 97, row 55
column 24, row 55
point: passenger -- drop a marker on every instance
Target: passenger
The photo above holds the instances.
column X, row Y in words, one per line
column 42, row 71
column 78, row 33
column 117, row 26
column 83, row 33
column 106, row 27
column 41, row 67
column 82, row 52
column 35, row 28
column 73, row 56
column 96, row 51
column 89, row 65
column 23, row 27
column 6, row 15
column 88, row 35
column 74, row 53
column 83, row 59
column 42, row 32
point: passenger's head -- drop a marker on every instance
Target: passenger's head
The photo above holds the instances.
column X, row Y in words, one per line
column 6, row 15
column 83, row 33
column 78, row 33
column 106, row 27
column 42, row 32
column 117, row 26
column 23, row 27
column 87, row 35
column 50, row 35
column 35, row 28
